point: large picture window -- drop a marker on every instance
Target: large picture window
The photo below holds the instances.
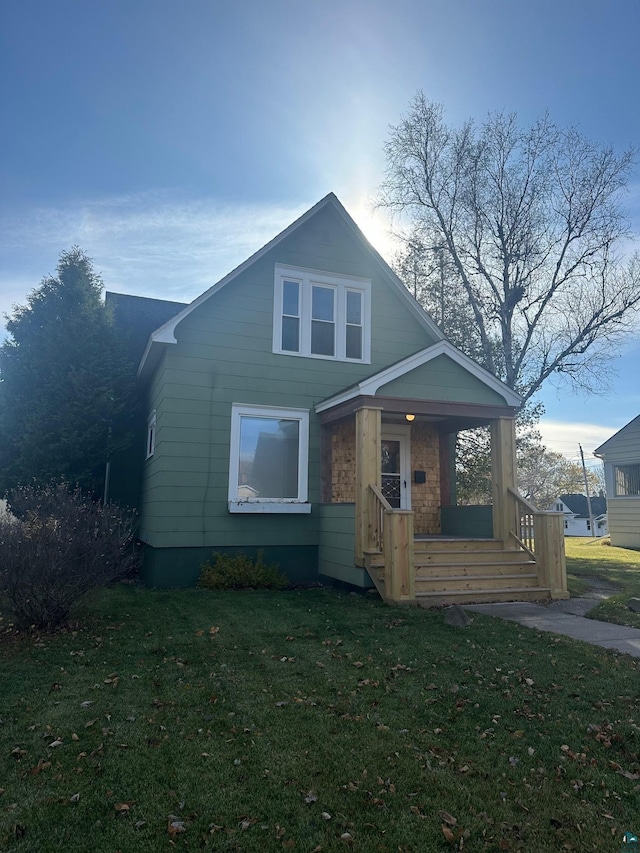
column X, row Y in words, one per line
column 268, row 459
column 317, row 315
column 627, row 480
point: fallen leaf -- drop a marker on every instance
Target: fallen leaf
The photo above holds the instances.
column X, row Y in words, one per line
column 213, row 630
column 175, row 827
column 311, row 798
column 55, row 743
column 447, row 818
column 74, row 798
column 448, row 835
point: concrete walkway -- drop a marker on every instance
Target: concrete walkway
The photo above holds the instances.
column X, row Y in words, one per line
column 568, row 618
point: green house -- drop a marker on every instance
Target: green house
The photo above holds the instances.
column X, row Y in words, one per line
column 307, row 406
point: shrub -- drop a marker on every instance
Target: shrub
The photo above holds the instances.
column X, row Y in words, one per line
column 57, row 545
column 238, row 571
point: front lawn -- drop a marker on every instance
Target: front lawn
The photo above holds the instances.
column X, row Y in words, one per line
column 587, row 558
column 311, row 721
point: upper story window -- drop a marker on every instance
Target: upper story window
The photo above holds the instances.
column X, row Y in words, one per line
column 627, row 480
column 318, row 315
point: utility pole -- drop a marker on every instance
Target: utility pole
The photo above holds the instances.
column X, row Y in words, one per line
column 586, row 488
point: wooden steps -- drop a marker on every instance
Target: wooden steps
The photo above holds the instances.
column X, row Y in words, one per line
column 466, row 571
column 435, row 599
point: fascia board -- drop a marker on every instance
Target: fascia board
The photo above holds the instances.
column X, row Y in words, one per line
column 423, row 318
column 166, row 333
column 611, row 442
column 370, row 386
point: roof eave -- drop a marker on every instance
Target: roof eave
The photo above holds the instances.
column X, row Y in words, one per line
column 166, row 333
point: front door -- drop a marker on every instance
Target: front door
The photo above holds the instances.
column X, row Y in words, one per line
column 395, row 465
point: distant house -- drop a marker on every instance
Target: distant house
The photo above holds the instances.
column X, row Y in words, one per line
column 621, row 457
column 576, row 515
column 307, row 406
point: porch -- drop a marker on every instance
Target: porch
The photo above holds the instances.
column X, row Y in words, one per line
column 409, row 535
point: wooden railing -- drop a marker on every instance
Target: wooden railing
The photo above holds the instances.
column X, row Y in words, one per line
column 390, row 531
column 541, row 535
column 522, row 521
column 377, row 505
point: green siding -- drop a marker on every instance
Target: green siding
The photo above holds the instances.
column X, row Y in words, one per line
column 468, row 521
column 336, row 544
column 223, row 356
column 442, row 379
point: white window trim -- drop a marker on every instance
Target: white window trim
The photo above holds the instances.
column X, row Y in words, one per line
column 341, row 284
column 273, row 505
column 151, row 434
column 403, row 432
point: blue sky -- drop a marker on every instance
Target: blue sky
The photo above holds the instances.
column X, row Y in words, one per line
column 172, row 139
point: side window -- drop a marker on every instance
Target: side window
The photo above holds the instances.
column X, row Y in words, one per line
column 627, row 480
column 151, row 434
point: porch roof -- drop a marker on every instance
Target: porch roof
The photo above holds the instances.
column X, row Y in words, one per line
column 394, row 382
column 450, row 417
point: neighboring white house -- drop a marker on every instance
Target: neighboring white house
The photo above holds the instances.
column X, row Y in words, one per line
column 576, row 515
column 621, row 456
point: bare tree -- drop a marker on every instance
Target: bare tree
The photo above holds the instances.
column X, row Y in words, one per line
column 531, row 222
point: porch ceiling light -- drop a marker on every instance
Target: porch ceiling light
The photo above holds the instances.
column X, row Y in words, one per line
column 410, row 418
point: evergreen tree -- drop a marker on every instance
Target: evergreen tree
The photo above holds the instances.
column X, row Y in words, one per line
column 66, row 390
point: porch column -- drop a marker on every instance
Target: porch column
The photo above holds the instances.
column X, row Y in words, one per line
column 503, row 475
column 368, row 438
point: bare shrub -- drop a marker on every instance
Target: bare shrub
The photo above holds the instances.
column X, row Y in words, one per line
column 56, row 546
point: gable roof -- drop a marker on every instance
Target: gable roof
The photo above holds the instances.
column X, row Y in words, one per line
column 136, row 317
column 165, row 334
column 611, row 442
column 371, row 385
column 579, row 506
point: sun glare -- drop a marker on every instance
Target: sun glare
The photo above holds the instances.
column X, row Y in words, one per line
column 375, row 226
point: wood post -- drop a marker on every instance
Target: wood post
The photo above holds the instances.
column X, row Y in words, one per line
column 398, row 556
column 503, row 477
column 368, row 438
column 550, row 556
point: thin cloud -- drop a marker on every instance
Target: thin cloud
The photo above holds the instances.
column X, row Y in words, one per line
column 563, row 437
column 151, row 244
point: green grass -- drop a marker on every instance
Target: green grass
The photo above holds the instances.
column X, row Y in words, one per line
column 620, row 566
column 310, row 721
